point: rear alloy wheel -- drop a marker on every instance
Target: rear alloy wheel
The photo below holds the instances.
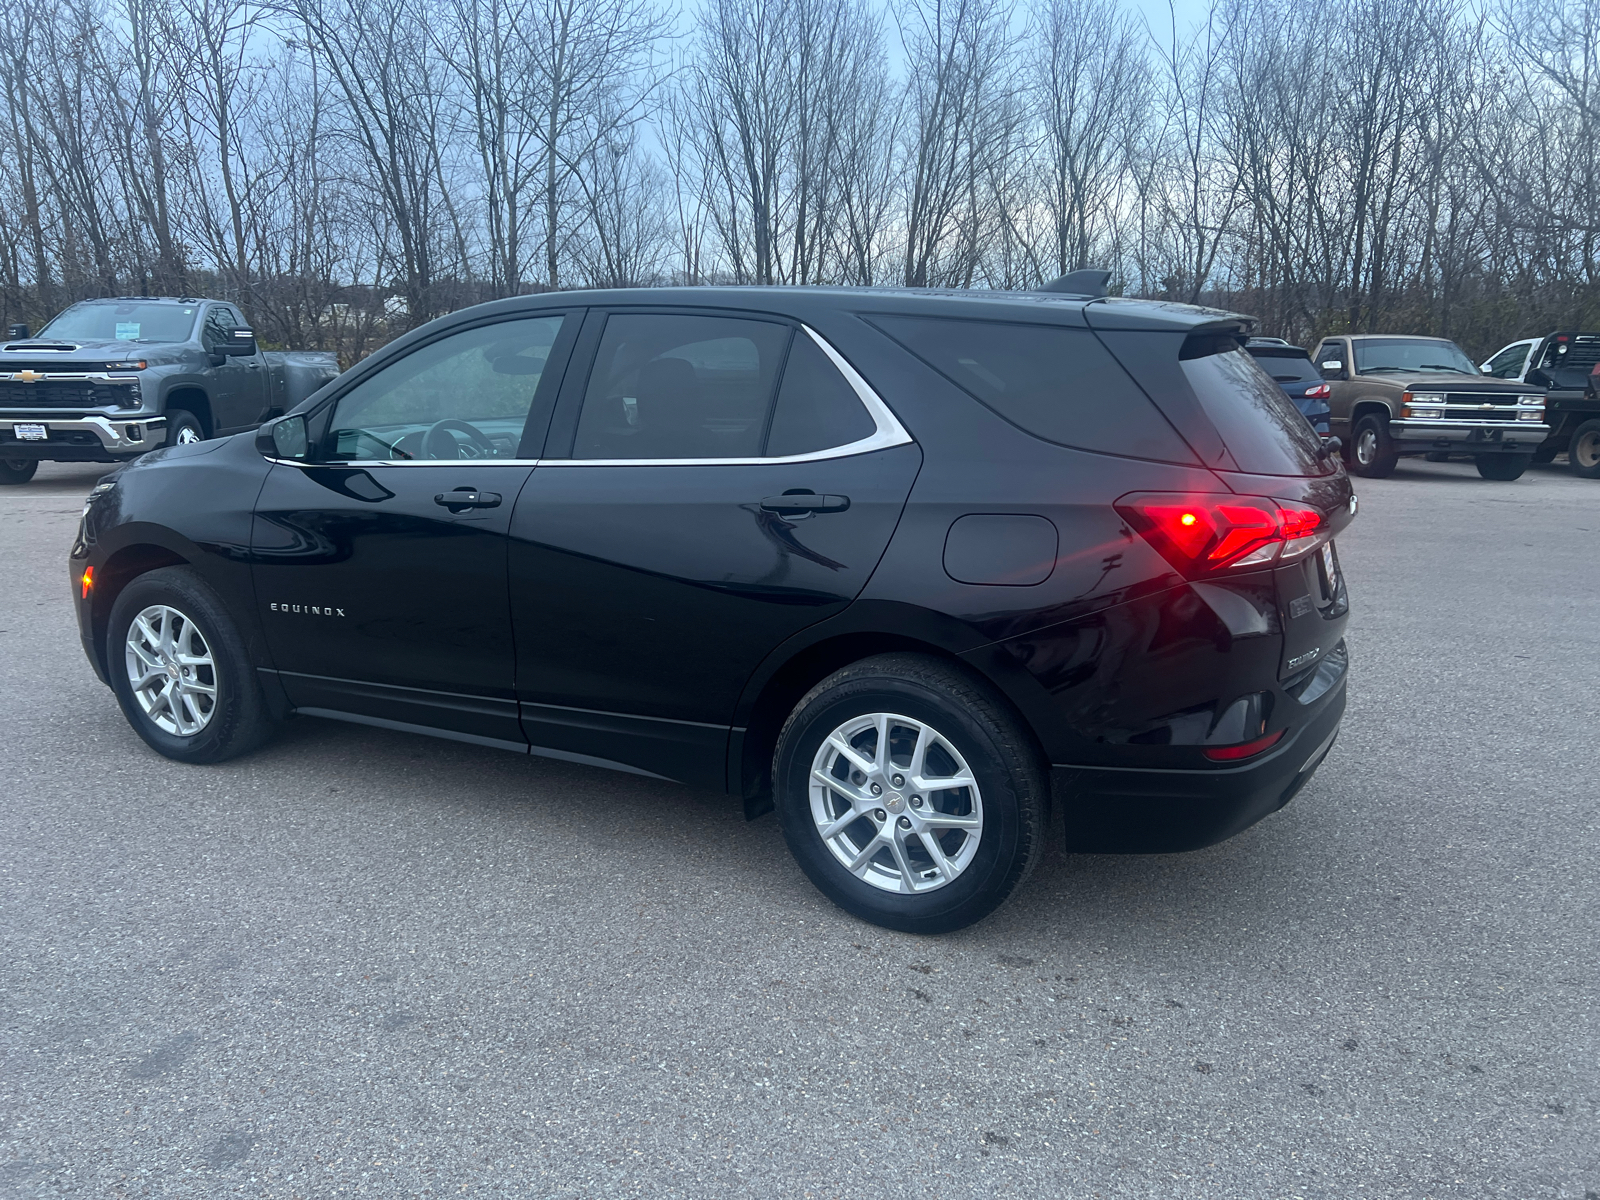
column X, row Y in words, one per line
column 1503, row 467
column 181, row 671
column 1584, row 453
column 183, row 428
column 1372, row 454
column 17, row 470
column 909, row 794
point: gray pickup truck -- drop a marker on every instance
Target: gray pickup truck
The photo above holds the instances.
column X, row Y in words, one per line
column 108, row 380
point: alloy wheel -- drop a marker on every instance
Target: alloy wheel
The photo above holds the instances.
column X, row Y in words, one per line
column 895, row 802
column 171, row 671
column 188, row 435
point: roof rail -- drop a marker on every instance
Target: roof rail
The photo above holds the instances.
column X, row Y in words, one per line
column 1090, row 282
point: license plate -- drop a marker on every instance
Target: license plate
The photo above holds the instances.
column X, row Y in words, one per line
column 31, row 433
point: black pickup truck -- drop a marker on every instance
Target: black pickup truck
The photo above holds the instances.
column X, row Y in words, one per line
column 108, row 380
column 1564, row 365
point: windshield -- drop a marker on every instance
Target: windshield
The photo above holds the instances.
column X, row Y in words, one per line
column 1286, row 365
column 133, row 321
column 1404, row 355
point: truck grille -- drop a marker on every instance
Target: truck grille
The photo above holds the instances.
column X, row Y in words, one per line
column 1468, row 406
column 68, row 394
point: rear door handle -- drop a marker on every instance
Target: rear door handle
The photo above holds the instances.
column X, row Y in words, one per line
column 805, row 502
column 468, row 498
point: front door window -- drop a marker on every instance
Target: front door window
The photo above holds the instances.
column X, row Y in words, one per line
column 465, row 396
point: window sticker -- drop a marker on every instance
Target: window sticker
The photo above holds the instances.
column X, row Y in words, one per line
column 127, row 331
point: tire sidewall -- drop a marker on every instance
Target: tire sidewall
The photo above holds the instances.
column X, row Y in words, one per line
column 995, row 869
column 238, row 720
column 1588, row 428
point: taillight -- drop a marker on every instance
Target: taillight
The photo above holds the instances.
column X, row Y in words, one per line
column 1244, row 749
column 1322, row 391
column 1208, row 533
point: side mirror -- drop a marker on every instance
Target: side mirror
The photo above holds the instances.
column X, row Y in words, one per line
column 240, row 341
column 285, row 437
column 1333, row 368
column 19, row 331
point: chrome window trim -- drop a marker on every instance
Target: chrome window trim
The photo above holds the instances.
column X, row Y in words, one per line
column 887, row 432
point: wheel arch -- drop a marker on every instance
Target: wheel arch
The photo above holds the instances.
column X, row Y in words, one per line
column 121, row 568
column 1368, row 407
column 195, row 400
column 780, row 684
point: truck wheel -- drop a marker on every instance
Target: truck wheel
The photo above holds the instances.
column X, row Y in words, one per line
column 181, row 671
column 1372, row 454
column 183, row 427
column 1502, row 466
column 17, row 470
column 908, row 794
column 1546, row 451
column 1584, row 453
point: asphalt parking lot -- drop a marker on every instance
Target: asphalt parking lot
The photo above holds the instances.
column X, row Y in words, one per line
column 360, row 964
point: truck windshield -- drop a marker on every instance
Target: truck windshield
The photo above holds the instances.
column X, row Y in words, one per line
column 1406, row 355
column 130, row 322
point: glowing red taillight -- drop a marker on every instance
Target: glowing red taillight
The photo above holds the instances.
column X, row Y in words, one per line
column 1204, row 534
column 1244, row 749
column 1322, row 391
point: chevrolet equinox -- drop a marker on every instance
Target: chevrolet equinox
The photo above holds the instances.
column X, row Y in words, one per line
column 903, row 565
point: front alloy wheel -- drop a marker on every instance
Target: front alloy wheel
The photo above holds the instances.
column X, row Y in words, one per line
column 171, row 673
column 895, row 802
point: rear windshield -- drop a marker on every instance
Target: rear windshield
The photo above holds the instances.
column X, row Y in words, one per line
column 130, row 322
column 1403, row 356
column 1058, row 384
column 1259, row 424
column 1285, row 365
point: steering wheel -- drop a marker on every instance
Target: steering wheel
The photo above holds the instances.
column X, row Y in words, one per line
column 437, row 442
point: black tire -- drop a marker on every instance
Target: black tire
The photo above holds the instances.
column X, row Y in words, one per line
column 1012, row 788
column 238, row 720
column 1504, row 467
column 1546, row 452
column 17, row 470
column 1371, row 453
column 183, row 426
column 1583, row 455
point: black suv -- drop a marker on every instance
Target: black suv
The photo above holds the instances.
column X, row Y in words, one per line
column 896, row 562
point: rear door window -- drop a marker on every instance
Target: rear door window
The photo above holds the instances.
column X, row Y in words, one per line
column 1056, row 383
column 680, row 386
column 1259, row 424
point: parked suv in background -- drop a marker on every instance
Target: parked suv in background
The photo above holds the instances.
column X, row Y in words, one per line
column 1291, row 367
column 1395, row 395
column 1563, row 365
column 896, row 562
column 111, row 379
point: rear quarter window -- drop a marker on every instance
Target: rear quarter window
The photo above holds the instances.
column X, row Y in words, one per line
column 1261, row 427
column 1057, row 384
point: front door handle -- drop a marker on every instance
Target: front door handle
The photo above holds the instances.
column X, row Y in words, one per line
column 468, row 498
column 805, row 502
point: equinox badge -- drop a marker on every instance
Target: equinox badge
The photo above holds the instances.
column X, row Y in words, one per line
column 315, row 610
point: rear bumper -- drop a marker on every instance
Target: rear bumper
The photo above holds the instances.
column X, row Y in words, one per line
column 83, row 439
column 1132, row 810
